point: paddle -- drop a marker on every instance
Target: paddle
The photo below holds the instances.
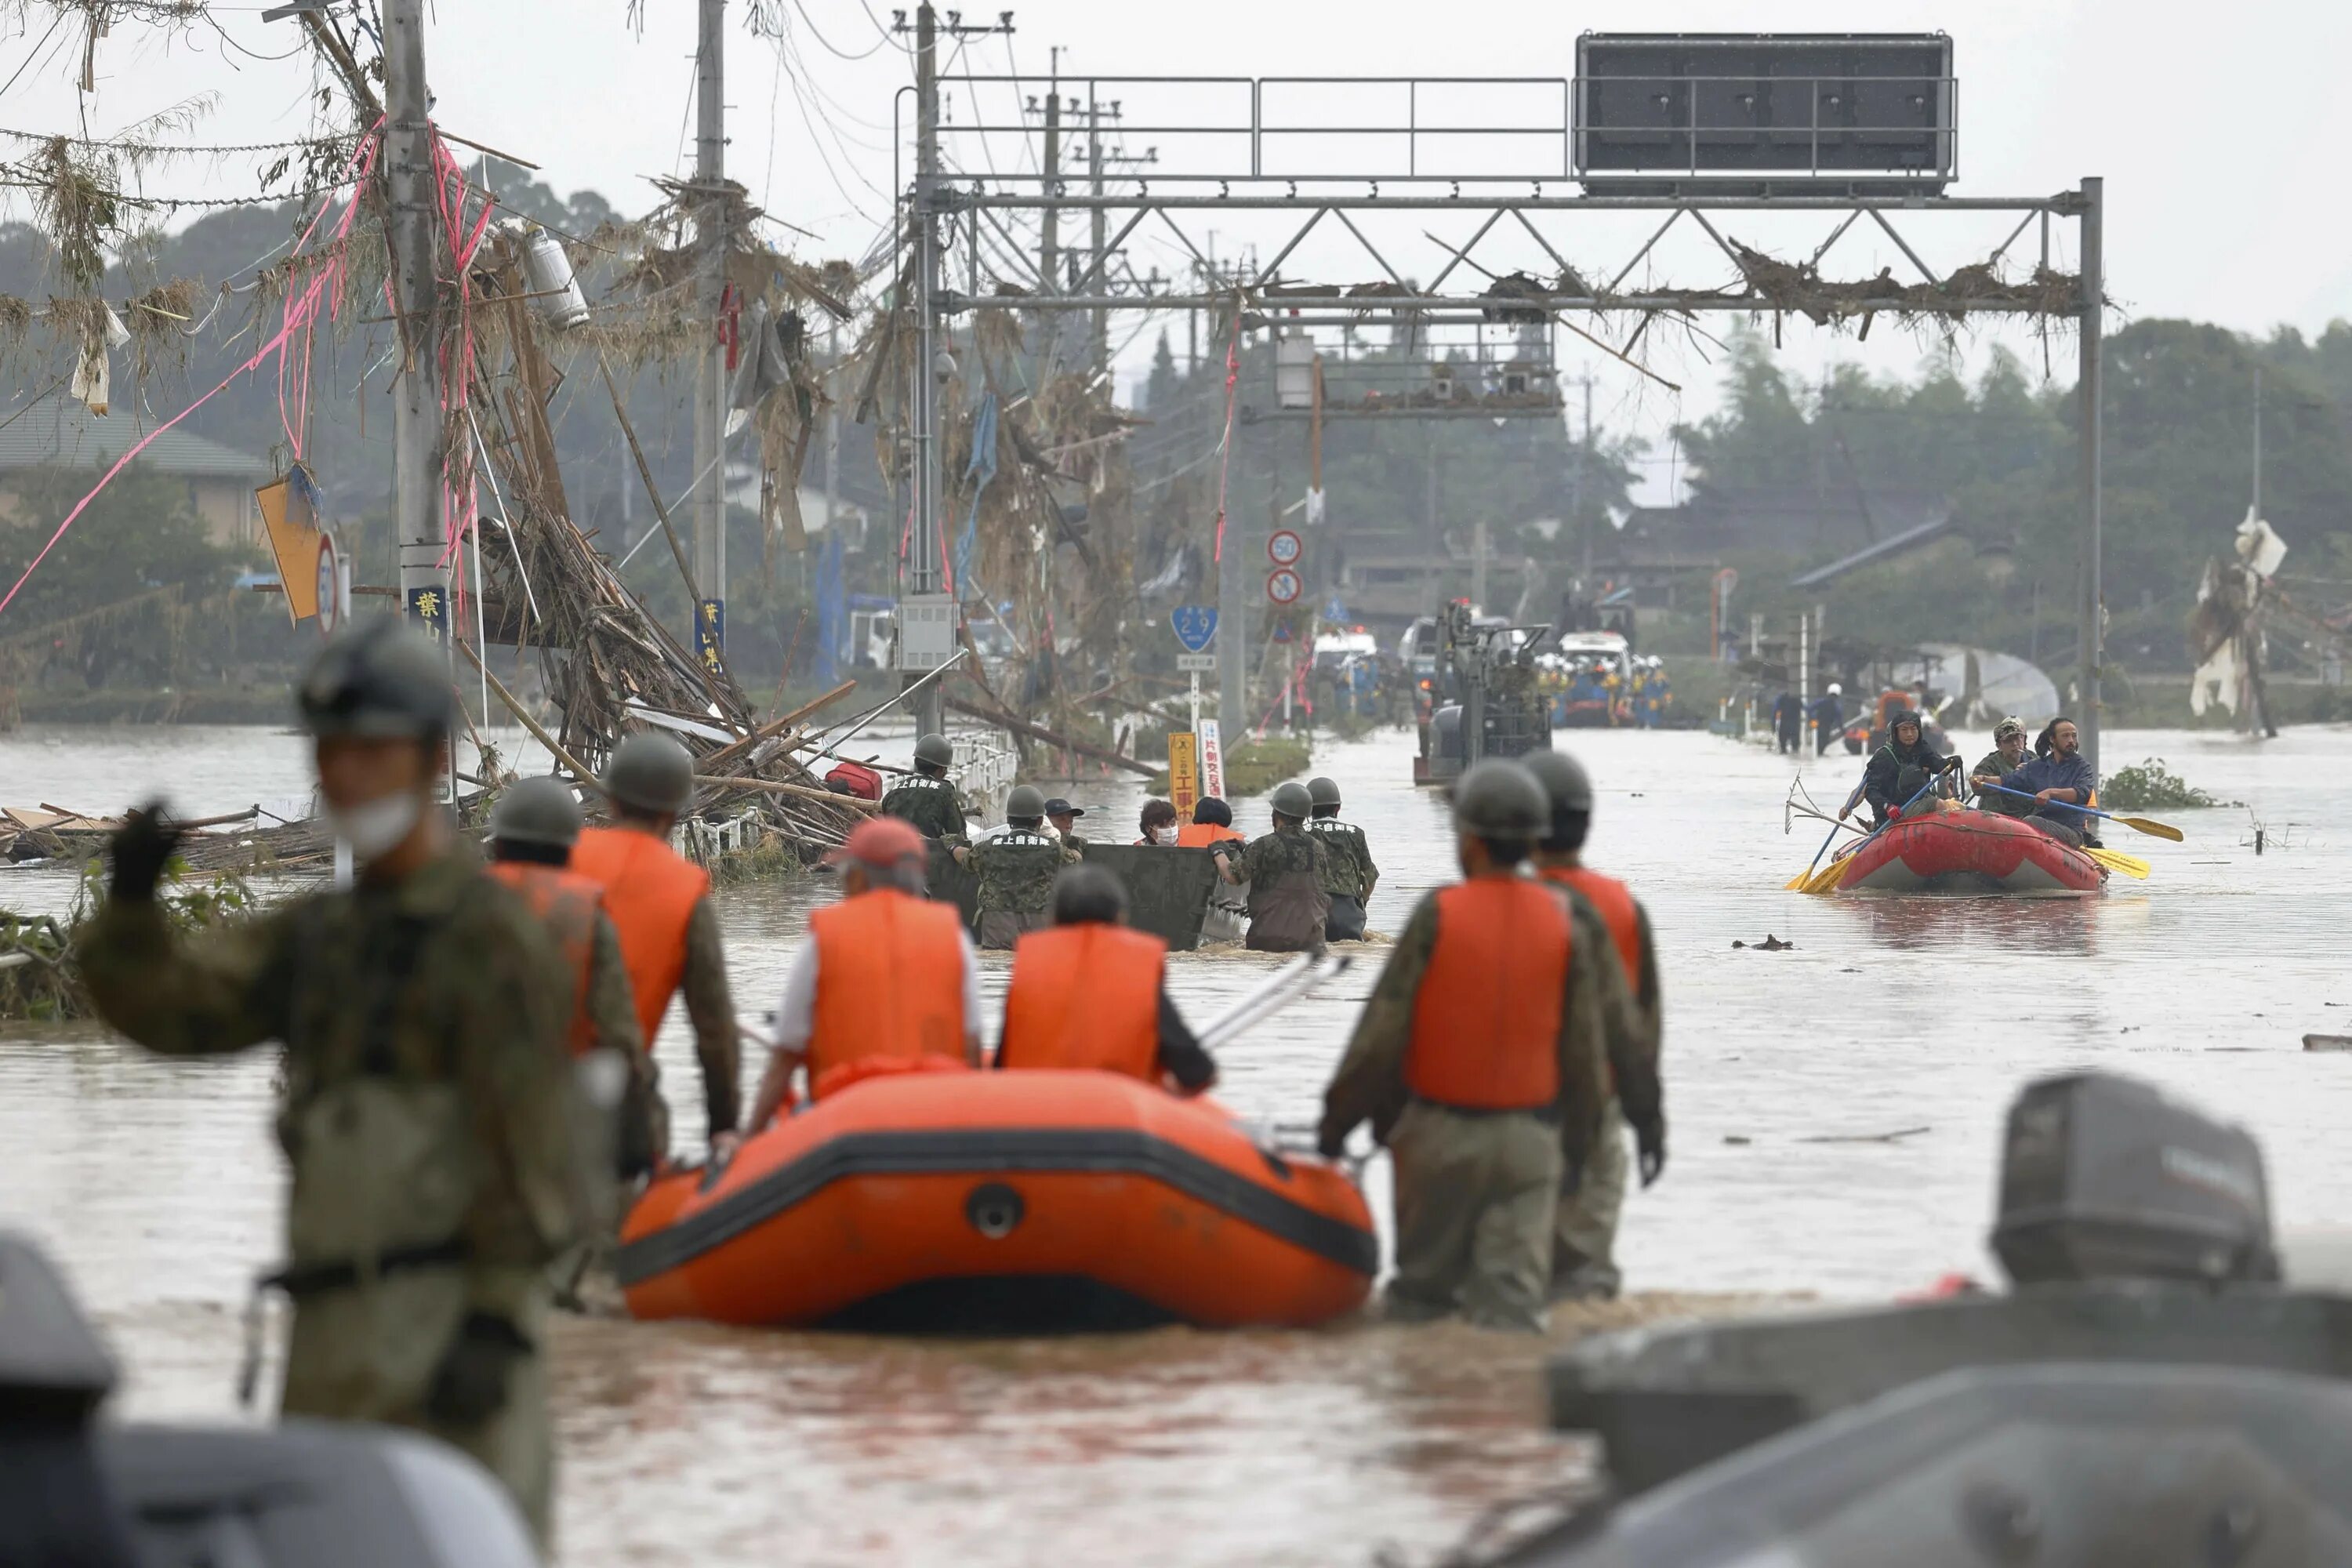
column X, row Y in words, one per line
column 1801, row 877
column 2117, row 860
column 1827, row 880
column 2153, row 829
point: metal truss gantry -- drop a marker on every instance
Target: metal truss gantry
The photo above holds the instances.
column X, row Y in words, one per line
column 1252, row 167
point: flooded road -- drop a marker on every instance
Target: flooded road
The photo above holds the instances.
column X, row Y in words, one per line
column 157, row 1185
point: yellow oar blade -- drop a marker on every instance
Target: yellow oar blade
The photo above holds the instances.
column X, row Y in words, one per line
column 1827, row 878
column 2115, row 860
column 2152, row 828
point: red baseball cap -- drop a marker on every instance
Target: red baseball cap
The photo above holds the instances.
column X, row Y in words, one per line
column 881, row 842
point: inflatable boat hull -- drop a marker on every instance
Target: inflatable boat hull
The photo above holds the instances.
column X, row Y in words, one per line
column 1968, row 853
column 1001, row 1202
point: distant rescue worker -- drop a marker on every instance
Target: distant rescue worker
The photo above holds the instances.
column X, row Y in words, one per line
column 1829, row 718
column 428, row 1107
column 1899, row 769
column 1157, row 822
column 1286, row 870
column 2058, row 777
column 533, row 829
column 660, row 903
column 1481, row 1061
column 1212, row 824
column 884, row 974
column 926, row 799
column 2007, row 755
column 1584, row 1236
column 1064, row 816
column 1789, row 722
column 1091, row 994
column 1016, row 870
column 1350, row 875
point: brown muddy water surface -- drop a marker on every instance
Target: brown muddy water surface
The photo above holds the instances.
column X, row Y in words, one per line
column 157, row 1185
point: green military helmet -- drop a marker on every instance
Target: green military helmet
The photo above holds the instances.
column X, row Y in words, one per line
column 935, row 749
column 379, row 680
column 1323, row 791
column 1498, row 799
column 536, row 811
column 651, row 773
column 1563, row 779
column 1026, row 801
column 1292, row 799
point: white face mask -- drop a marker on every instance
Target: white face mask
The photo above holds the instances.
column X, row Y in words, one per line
column 1164, row 834
column 374, row 826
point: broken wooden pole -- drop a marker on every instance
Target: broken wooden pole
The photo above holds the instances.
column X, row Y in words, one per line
column 1039, row 733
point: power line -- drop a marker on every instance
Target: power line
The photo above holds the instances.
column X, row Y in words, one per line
column 810, row 23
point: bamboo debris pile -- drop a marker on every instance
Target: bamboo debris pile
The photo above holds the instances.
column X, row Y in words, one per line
column 610, row 666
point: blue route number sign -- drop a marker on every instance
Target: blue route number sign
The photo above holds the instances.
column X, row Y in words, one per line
column 1195, row 626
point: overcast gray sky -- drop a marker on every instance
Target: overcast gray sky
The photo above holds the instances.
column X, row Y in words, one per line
column 2210, row 127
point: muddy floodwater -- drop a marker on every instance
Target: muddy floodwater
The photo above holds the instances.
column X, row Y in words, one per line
column 1834, row 1111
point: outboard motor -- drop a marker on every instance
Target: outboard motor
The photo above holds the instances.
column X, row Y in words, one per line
column 78, row 1493
column 2145, row 1319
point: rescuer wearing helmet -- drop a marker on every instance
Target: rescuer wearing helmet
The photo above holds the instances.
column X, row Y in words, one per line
column 1287, row 871
column 1481, row 1061
column 1091, row 994
column 1584, row 1263
column 428, row 1107
column 533, row 829
column 660, row 904
column 885, row 975
column 1349, row 872
column 926, row 798
column 1829, row 718
column 1016, row 869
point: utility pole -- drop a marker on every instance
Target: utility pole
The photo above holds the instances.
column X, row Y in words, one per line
column 1098, row 343
column 926, row 617
column 417, row 408
column 1232, row 645
column 2258, row 441
column 711, row 364
column 1576, row 498
column 2088, row 395
column 1049, row 224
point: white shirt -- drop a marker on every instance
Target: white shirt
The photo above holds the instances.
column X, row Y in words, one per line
column 796, row 1014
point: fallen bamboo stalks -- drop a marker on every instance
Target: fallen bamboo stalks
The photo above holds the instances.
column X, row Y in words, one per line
column 1039, row 733
column 777, row 786
column 580, row 770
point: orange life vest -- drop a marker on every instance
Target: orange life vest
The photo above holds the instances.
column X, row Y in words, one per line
column 1084, row 996
column 1614, row 900
column 650, row 891
column 889, row 980
column 568, row 904
column 1485, row 1022
column 1201, row 835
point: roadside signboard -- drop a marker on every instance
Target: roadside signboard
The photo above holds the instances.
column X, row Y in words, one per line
column 1195, row 626
column 1212, row 760
column 1283, row 585
column 330, row 584
column 1183, row 773
column 1198, row 663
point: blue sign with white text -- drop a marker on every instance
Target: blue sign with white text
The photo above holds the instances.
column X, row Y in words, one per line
column 1195, row 626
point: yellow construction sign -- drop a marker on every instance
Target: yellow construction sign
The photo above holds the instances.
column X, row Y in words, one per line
column 1183, row 773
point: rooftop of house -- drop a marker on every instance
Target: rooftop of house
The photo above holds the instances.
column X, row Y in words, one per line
column 60, row 432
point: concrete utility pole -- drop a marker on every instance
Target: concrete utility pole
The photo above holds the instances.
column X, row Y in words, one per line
column 1049, row 222
column 711, row 364
column 1576, row 497
column 2088, row 392
column 417, row 405
column 1098, row 345
column 923, row 546
column 1232, row 645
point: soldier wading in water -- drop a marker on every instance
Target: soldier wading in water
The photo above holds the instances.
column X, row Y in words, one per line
column 429, row 1098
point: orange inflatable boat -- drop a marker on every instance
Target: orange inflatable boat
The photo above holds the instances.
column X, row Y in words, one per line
column 1001, row 1202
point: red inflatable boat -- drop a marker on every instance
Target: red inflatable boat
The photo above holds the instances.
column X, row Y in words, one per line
column 1001, row 1202
column 1969, row 853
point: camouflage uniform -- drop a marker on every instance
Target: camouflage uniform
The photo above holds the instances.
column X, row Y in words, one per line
column 428, row 1118
column 1287, row 871
column 1584, row 1233
column 1445, row 1259
column 1348, row 875
column 2000, row 767
column 928, row 805
column 1016, row 873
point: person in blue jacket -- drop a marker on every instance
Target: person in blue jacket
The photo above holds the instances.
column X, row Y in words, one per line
column 2059, row 778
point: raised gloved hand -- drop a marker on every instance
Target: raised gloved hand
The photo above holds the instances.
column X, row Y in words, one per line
column 1330, row 1141
column 141, row 847
column 469, row 1387
column 1650, row 1150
